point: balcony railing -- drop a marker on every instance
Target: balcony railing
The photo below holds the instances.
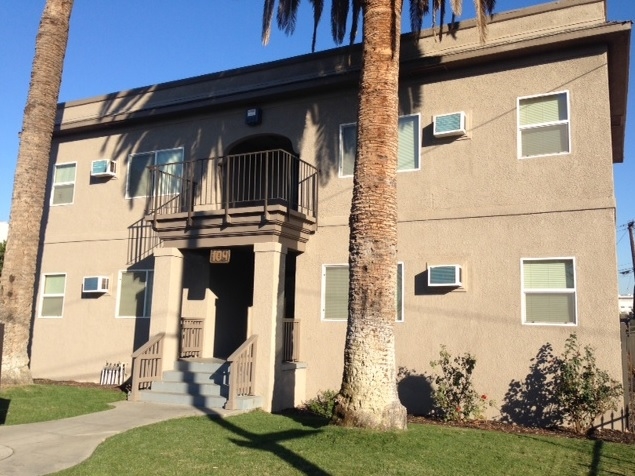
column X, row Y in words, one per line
column 258, row 179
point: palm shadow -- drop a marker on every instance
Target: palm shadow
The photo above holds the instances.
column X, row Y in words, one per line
column 272, row 443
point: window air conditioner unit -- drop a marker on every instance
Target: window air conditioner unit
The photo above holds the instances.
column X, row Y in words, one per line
column 449, row 125
column 95, row 284
column 445, row 275
column 103, row 168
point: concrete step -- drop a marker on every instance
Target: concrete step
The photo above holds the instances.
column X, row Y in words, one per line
column 199, row 401
column 200, row 365
column 188, row 388
column 190, row 377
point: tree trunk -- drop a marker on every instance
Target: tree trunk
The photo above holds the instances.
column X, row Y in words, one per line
column 368, row 396
column 18, row 281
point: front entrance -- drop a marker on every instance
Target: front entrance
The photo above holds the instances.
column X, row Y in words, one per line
column 233, row 285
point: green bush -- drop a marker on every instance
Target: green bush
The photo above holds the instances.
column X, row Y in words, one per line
column 583, row 391
column 323, row 404
column 454, row 395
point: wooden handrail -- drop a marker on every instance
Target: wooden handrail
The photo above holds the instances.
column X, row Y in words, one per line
column 147, row 365
column 191, row 338
column 242, row 371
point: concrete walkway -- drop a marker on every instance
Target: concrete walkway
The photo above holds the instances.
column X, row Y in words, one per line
column 47, row 447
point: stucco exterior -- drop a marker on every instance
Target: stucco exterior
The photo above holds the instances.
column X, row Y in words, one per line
column 470, row 201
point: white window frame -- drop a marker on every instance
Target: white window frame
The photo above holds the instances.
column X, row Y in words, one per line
column 400, row 266
column 146, row 314
column 43, row 296
column 520, row 128
column 417, row 138
column 154, row 161
column 54, row 184
column 573, row 291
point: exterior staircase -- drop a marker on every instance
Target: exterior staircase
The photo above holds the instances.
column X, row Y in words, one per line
column 201, row 383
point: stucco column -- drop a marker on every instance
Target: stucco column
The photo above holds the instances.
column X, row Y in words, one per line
column 267, row 315
column 166, row 301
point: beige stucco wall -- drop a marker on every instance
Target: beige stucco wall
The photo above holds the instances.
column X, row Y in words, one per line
column 471, row 202
column 485, row 317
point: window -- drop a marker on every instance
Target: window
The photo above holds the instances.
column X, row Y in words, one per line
column 139, row 178
column 53, row 286
column 135, row 293
column 549, row 295
column 335, row 293
column 543, row 125
column 408, row 149
column 63, row 184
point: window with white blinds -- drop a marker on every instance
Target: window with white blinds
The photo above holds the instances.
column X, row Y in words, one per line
column 407, row 150
column 544, row 125
column 549, row 291
column 335, row 293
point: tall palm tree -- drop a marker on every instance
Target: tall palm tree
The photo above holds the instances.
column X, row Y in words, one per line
column 18, row 280
column 368, row 395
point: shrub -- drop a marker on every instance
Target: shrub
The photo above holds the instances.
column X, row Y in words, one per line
column 323, row 404
column 582, row 390
column 454, row 395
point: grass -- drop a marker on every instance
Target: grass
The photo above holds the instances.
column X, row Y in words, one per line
column 33, row 403
column 263, row 444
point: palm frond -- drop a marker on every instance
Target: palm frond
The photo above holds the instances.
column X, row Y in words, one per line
column 267, row 16
column 457, row 7
column 318, row 6
column 287, row 15
column 483, row 8
column 418, row 9
column 339, row 13
column 357, row 10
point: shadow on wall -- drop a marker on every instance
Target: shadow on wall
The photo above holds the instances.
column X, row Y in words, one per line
column 532, row 402
column 415, row 391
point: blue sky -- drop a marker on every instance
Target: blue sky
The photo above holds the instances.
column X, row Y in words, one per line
column 120, row 44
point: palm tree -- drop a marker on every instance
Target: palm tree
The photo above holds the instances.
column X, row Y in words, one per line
column 18, row 280
column 368, row 395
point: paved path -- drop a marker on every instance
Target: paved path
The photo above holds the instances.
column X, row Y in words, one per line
column 47, row 447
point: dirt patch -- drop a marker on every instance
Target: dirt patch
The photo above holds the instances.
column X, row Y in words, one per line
column 612, row 436
column 71, row 383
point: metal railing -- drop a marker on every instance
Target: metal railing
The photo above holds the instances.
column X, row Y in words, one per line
column 147, row 365
column 242, row 372
column 271, row 177
column 291, row 340
column 191, row 338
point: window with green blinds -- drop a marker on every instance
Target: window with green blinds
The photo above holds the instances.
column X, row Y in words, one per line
column 53, row 288
column 543, row 123
column 63, row 184
column 135, row 293
column 335, row 293
column 407, row 150
column 139, row 179
column 549, row 291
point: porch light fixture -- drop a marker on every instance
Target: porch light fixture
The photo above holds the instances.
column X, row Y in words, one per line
column 253, row 116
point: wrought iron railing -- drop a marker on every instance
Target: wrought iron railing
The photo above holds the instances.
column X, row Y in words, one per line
column 272, row 177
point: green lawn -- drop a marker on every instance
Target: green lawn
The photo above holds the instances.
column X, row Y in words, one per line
column 263, row 444
column 33, row 403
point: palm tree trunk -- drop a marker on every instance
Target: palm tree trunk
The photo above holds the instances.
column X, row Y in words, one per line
column 18, row 281
column 368, row 396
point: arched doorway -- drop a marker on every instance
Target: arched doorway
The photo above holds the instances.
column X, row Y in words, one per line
column 261, row 169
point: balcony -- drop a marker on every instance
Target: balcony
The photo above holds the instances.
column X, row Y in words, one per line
column 234, row 200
